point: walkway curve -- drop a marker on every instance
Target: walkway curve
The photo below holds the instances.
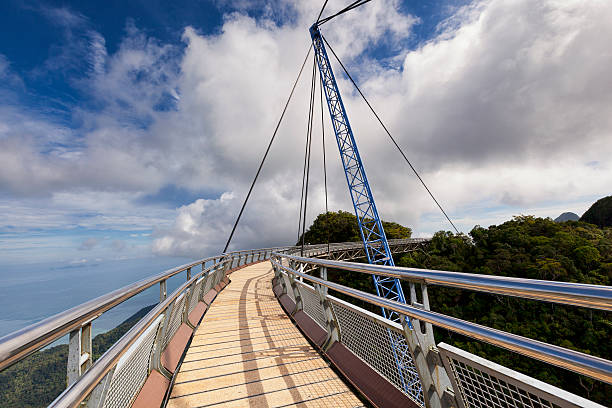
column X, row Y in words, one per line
column 246, row 352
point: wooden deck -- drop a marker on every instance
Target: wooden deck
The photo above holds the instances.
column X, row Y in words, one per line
column 248, row 353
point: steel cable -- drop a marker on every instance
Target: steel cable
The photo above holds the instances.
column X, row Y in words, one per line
column 389, row 134
column 351, row 6
column 324, row 163
column 308, row 148
column 267, row 151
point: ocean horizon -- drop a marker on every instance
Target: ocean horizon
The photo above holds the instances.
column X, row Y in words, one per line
column 32, row 292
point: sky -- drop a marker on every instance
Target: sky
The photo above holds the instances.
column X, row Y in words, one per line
column 131, row 128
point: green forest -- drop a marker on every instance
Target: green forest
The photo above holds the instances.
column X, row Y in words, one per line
column 526, row 247
column 36, row 381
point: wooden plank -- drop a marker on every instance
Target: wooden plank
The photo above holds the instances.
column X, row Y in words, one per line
column 247, row 352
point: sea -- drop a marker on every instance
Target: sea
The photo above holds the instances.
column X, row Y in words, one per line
column 30, row 293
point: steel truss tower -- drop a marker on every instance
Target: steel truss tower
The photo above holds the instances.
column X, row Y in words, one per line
column 370, row 225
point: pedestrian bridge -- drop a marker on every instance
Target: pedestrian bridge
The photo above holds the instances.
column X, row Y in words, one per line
column 260, row 328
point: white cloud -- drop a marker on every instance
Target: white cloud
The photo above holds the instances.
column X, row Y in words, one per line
column 506, row 110
column 502, row 112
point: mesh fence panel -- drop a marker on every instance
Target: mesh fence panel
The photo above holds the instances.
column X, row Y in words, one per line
column 176, row 318
column 132, row 370
column 483, row 390
column 371, row 341
column 312, row 304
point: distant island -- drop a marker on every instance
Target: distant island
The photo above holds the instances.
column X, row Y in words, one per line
column 567, row 216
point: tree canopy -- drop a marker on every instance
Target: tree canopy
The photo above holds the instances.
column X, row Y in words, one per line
column 342, row 226
column 526, row 247
column 535, row 248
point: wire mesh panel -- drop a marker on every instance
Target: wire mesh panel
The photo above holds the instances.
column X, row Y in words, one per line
column 312, row 303
column 175, row 319
column 480, row 383
column 370, row 338
column 132, row 369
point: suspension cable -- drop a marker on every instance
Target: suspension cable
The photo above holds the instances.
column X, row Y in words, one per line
column 389, row 134
column 267, row 151
column 324, row 164
column 351, row 6
column 299, row 229
column 322, row 8
column 309, row 138
column 306, row 148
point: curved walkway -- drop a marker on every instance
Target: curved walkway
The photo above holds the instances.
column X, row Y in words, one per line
column 248, row 353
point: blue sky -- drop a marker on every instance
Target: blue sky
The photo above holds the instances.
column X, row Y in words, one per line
column 52, row 56
column 133, row 128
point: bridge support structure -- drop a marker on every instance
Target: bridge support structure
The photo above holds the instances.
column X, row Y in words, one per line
column 375, row 242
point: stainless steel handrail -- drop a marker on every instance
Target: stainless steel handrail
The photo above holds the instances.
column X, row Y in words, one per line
column 569, row 293
column 594, row 367
column 21, row 343
column 77, row 392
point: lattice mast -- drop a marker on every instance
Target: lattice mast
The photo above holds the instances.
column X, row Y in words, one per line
column 370, row 226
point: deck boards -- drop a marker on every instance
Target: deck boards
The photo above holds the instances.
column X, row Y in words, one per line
column 248, row 353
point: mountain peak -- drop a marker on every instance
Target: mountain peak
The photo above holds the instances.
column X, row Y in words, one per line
column 567, row 216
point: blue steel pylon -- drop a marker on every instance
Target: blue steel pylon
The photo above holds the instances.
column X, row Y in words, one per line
column 370, row 226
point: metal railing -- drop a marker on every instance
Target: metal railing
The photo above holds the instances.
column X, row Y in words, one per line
column 576, row 294
column 593, row 296
column 90, row 379
column 84, row 375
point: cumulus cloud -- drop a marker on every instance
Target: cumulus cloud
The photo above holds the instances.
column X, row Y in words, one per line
column 505, row 109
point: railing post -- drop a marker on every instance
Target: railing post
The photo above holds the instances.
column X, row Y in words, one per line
column 299, row 305
column 331, row 323
column 437, row 388
column 157, row 348
column 188, row 297
column 224, row 269
column 188, row 273
column 278, row 274
column 162, row 290
column 282, row 280
column 97, row 397
column 79, row 353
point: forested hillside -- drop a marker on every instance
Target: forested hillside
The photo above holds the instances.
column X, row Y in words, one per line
column 526, row 247
column 600, row 213
column 37, row 380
